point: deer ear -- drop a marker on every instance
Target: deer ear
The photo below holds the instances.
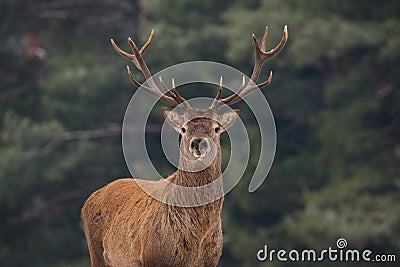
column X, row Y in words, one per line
column 173, row 118
column 228, row 118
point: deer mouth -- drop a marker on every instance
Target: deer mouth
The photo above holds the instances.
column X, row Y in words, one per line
column 199, row 147
column 199, row 154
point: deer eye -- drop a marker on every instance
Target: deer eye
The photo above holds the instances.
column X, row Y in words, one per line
column 183, row 130
column 217, row 129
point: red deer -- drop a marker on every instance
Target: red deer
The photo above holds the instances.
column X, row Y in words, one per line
column 125, row 226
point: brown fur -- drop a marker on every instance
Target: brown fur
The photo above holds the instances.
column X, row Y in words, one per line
column 124, row 226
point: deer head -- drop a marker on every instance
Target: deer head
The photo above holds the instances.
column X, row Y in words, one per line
column 200, row 129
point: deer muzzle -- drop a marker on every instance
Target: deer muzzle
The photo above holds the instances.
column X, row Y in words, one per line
column 199, row 146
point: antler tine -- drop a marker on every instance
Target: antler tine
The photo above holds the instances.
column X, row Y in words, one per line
column 134, row 81
column 122, row 52
column 249, row 88
column 166, row 89
column 137, row 58
column 235, row 95
column 262, row 55
column 218, row 96
column 144, row 47
column 216, row 102
column 174, row 93
column 260, row 58
column 142, row 65
column 131, row 57
column 166, row 99
column 178, row 97
column 264, row 39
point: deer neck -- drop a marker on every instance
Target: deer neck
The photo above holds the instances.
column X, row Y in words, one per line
column 200, row 218
column 203, row 186
column 199, row 178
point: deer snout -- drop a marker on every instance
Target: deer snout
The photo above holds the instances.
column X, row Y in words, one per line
column 199, row 146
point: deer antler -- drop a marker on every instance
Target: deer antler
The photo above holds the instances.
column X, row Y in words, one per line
column 215, row 103
column 260, row 58
column 137, row 59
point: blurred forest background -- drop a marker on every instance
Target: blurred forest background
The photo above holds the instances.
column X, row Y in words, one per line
column 335, row 96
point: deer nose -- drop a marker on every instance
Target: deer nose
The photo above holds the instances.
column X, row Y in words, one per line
column 199, row 145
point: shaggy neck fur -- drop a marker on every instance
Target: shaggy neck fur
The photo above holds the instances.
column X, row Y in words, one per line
column 197, row 180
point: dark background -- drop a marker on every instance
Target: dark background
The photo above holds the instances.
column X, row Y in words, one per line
column 335, row 96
